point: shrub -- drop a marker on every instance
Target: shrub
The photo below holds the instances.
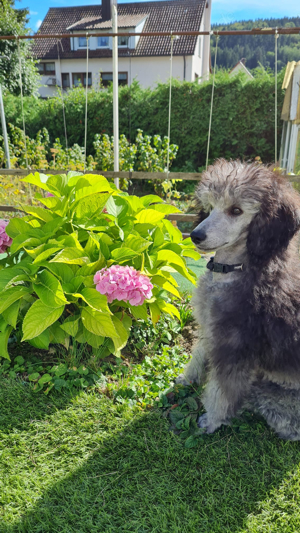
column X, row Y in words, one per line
column 242, row 124
column 47, row 284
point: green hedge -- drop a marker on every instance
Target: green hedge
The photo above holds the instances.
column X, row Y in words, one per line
column 242, row 126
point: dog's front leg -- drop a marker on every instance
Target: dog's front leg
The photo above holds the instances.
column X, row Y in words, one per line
column 223, row 396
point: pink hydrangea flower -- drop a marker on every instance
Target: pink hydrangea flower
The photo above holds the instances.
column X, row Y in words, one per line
column 5, row 240
column 123, row 283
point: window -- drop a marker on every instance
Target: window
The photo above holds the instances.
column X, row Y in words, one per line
column 123, row 41
column 103, row 42
column 107, row 78
column 65, row 81
column 46, row 69
column 80, row 79
column 82, row 42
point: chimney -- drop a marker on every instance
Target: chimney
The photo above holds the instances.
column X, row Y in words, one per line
column 107, row 9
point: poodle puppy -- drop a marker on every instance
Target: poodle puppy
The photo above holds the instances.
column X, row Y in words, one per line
column 248, row 302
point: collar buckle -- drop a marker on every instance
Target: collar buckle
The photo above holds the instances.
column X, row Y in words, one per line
column 222, row 268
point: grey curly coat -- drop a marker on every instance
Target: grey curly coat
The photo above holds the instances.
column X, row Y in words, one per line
column 248, row 355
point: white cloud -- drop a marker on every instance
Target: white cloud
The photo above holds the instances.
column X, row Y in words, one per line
column 33, row 13
column 39, row 22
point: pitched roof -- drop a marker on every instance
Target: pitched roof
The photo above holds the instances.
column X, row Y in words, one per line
column 164, row 15
column 95, row 23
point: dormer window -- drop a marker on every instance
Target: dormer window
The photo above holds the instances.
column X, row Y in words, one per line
column 103, row 42
column 123, row 41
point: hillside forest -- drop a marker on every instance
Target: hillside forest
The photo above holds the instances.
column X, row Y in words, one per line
column 256, row 49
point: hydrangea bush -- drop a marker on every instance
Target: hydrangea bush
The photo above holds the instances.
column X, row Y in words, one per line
column 87, row 261
column 5, row 240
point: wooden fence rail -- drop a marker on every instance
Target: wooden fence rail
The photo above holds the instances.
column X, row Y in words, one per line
column 179, row 217
column 194, row 176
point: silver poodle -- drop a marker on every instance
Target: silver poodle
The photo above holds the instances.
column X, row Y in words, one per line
column 248, row 302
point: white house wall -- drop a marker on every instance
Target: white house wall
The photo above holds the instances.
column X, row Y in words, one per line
column 147, row 70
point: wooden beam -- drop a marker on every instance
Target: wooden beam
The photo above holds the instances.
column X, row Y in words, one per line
column 9, row 209
column 254, row 31
column 180, row 217
column 194, row 176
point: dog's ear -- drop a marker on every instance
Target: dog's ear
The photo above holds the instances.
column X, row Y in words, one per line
column 274, row 225
column 201, row 215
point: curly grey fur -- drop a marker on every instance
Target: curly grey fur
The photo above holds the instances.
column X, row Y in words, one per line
column 248, row 355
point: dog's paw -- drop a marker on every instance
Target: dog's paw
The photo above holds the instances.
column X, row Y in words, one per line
column 181, row 380
column 204, row 423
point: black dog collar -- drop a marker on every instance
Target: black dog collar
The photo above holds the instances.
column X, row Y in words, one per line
column 223, row 269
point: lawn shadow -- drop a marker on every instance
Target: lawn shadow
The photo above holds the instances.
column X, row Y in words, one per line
column 141, row 479
column 20, row 405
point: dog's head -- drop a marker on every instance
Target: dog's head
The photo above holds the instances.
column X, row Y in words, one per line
column 246, row 203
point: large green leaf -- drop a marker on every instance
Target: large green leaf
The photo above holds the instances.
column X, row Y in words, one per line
column 149, row 216
column 71, row 256
column 123, row 334
column 41, row 341
column 166, row 208
column 137, row 243
column 63, row 272
column 154, row 312
column 116, row 206
column 94, row 299
column 151, row 199
column 49, row 290
column 37, row 179
column 17, row 226
column 39, row 212
column 98, row 323
column 91, row 205
column 38, row 318
column 7, row 274
column 191, row 253
column 165, row 284
column 8, row 297
column 175, row 261
column 93, row 340
column 5, row 331
column 123, row 254
column 71, row 325
column 58, row 184
column 10, row 314
column 90, row 185
column 46, row 253
column 27, row 241
column 139, row 311
column 168, row 308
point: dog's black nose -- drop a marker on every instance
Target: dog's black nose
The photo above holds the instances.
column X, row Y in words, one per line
column 198, row 236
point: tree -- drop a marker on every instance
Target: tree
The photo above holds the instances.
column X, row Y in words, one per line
column 13, row 22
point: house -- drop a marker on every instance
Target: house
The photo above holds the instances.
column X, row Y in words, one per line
column 241, row 67
column 290, row 141
column 146, row 59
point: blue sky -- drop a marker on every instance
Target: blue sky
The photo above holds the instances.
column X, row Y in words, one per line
column 223, row 11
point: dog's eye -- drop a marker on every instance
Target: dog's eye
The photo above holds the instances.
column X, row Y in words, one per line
column 236, row 211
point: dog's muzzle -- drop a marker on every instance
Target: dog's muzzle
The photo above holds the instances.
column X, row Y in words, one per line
column 198, row 236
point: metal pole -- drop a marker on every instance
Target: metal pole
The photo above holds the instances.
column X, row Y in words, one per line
column 115, row 92
column 4, row 130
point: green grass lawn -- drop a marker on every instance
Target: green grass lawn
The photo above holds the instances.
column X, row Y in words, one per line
column 84, row 464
